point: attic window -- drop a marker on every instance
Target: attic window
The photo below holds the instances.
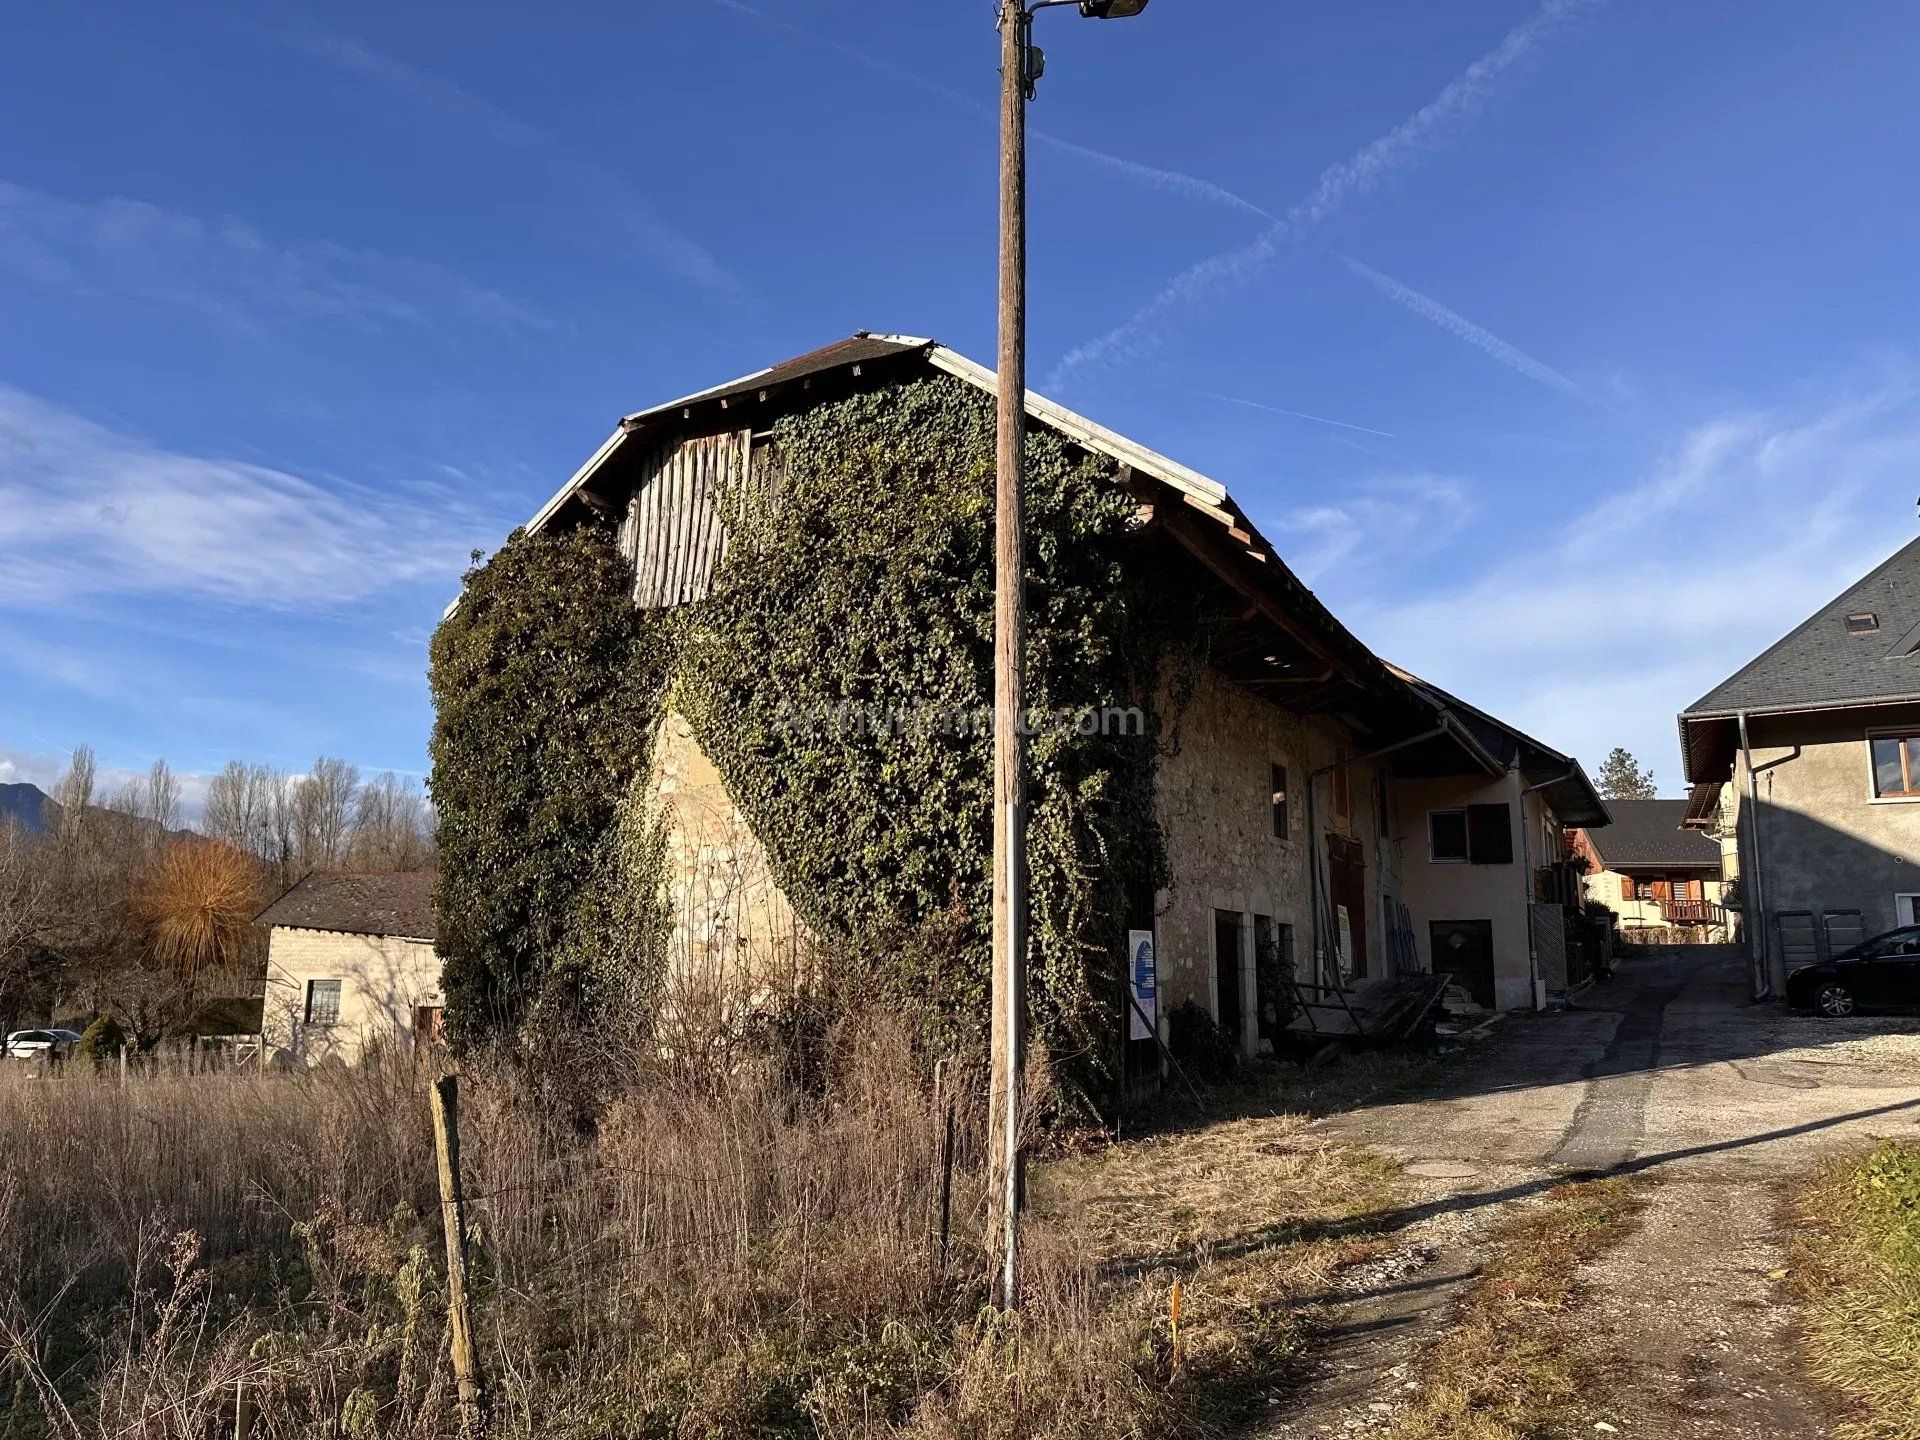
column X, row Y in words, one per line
column 1862, row 622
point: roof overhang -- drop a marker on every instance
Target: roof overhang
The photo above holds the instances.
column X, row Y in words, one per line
column 1709, row 739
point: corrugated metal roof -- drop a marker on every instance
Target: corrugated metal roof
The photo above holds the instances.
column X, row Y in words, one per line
column 357, row 904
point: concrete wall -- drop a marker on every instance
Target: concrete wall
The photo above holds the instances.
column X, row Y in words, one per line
column 382, row 978
column 1498, row 894
column 1215, row 808
column 1824, row 841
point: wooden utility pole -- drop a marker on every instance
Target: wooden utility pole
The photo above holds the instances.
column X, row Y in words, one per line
column 453, row 1219
column 1009, row 657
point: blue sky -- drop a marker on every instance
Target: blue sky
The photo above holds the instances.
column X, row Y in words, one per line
column 1568, row 350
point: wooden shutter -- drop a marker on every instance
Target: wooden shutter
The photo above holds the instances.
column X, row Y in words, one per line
column 1662, row 891
column 1626, row 887
column 1489, row 834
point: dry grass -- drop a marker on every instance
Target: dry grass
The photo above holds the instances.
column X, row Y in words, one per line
column 1856, row 1264
column 1507, row 1366
column 750, row 1258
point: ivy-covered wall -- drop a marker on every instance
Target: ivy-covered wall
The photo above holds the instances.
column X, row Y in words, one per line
column 854, row 624
column 839, row 679
column 547, row 687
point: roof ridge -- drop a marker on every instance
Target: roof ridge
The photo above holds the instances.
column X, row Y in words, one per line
column 1702, row 704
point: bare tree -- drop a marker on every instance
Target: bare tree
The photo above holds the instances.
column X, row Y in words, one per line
column 160, row 804
column 22, row 895
column 229, row 812
column 323, row 805
column 391, row 827
column 73, row 795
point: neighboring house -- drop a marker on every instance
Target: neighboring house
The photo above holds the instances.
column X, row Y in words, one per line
column 350, row 961
column 1277, row 801
column 1485, row 861
column 1653, row 871
column 1819, row 741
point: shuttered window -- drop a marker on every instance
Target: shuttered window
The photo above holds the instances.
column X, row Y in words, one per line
column 1626, row 887
column 1490, row 834
column 1279, row 778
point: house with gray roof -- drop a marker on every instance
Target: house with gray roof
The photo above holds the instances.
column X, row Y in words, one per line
column 1659, row 876
column 1819, row 739
column 350, row 963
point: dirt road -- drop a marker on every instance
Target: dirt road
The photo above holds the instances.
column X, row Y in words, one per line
column 1667, row 1073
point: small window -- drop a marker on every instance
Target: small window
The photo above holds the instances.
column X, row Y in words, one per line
column 1863, row 622
column 1643, row 889
column 1279, row 778
column 323, row 1002
column 1479, row 835
column 1896, row 764
column 1447, row 836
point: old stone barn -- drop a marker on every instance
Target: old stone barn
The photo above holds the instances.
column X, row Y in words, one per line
column 1218, row 764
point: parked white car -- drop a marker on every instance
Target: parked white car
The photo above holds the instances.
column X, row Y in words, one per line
column 41, row 1044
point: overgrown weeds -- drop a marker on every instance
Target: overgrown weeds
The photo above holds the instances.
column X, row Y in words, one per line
column 759, row 1255
column 1856, row 1263
column 1508, row 1365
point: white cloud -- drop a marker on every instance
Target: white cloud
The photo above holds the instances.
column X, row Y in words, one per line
column 680, row 254
column 1388, row 515
column 1175, row 182
column 1457, row 105
column 1598, row 632
column 1459, row 326
column 86, row 512
column 119, row 246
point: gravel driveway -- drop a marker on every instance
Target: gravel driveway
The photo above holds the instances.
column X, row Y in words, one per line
column 1668, row 1073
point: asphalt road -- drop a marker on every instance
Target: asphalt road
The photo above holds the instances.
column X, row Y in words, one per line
column 1718, row 1105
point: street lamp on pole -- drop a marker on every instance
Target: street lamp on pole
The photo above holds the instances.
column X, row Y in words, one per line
column 1020, row 67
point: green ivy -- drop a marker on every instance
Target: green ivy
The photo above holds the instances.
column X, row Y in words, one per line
column 547, row 687
column 859, row 575
column 867, row 589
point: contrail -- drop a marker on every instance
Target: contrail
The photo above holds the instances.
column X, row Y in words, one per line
column 1458, row 325
column 1299, row 415
column 1456, row 106
column 1173, row 181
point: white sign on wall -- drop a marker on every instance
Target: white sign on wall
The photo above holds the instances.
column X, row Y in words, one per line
column 1344, row 922
column 1144, row 981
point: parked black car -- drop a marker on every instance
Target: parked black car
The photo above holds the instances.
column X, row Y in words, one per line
column 1878, row 974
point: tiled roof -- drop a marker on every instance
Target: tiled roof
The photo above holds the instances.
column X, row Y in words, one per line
column 1822, row 662
column 1647, row 833
column 357, row 905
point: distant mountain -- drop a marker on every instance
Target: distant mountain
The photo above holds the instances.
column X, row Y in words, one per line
column 25, row 805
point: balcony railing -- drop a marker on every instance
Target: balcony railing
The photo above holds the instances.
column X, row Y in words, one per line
column 1693, row 912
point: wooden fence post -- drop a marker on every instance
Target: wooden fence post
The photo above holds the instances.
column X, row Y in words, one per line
column 453, row 1218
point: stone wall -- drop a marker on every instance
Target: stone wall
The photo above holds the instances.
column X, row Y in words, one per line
column 733, row 931
column 1215, row 807
column 382, row 979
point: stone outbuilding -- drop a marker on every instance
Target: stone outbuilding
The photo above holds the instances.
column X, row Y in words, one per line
column 350, row 963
